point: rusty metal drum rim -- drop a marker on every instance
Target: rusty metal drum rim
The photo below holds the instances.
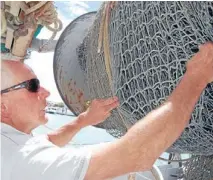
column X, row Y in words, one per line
column 54, row 58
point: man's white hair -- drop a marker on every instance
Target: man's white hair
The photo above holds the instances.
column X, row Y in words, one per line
column 7, row 77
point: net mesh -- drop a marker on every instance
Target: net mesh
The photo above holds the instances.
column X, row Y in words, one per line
column 150, row 43
column 198, row 168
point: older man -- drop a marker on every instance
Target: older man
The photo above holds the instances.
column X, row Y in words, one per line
column 26, row 157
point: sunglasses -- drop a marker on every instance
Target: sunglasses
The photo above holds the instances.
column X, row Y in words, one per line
column 31, row 85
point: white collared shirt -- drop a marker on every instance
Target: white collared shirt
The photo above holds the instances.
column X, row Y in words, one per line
column 24, row 157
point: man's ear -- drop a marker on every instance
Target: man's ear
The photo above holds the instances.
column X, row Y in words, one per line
column 4, row 111
column 3, row 107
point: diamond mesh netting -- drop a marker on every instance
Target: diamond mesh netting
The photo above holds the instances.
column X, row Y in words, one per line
column 199, row 168
column 140, row 57
column 150, row 43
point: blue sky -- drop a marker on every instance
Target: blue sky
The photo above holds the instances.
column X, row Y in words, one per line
column 70, row 9
column 42, row 63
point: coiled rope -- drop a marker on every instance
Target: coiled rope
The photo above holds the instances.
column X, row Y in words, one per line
column 45, row 14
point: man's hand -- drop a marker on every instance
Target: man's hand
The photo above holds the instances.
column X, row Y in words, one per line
column 98, row 111
column 201, row 63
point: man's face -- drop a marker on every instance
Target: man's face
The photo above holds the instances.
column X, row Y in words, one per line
column 27, row 108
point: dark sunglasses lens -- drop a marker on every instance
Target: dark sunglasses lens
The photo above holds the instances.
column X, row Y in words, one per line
column 34, row 85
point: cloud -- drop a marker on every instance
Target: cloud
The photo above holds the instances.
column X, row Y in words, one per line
column 78, row 8
column 82, row 4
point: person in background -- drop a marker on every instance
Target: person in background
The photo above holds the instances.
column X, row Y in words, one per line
column 25, row 157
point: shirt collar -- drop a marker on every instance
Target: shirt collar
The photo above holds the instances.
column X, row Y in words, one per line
column 7, row 129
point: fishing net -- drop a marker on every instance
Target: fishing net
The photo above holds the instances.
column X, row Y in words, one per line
column 198, row 168
column 149, row 45
column 138, row 52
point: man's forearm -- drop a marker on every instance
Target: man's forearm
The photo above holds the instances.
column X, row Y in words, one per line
column 149, row 138
column 65, row 134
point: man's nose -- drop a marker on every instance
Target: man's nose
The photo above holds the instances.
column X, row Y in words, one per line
column 43, row 93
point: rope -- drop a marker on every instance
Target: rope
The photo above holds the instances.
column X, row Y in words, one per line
column 104, row 38
column 49, row 17
column 28, row 10
column 44, row 13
